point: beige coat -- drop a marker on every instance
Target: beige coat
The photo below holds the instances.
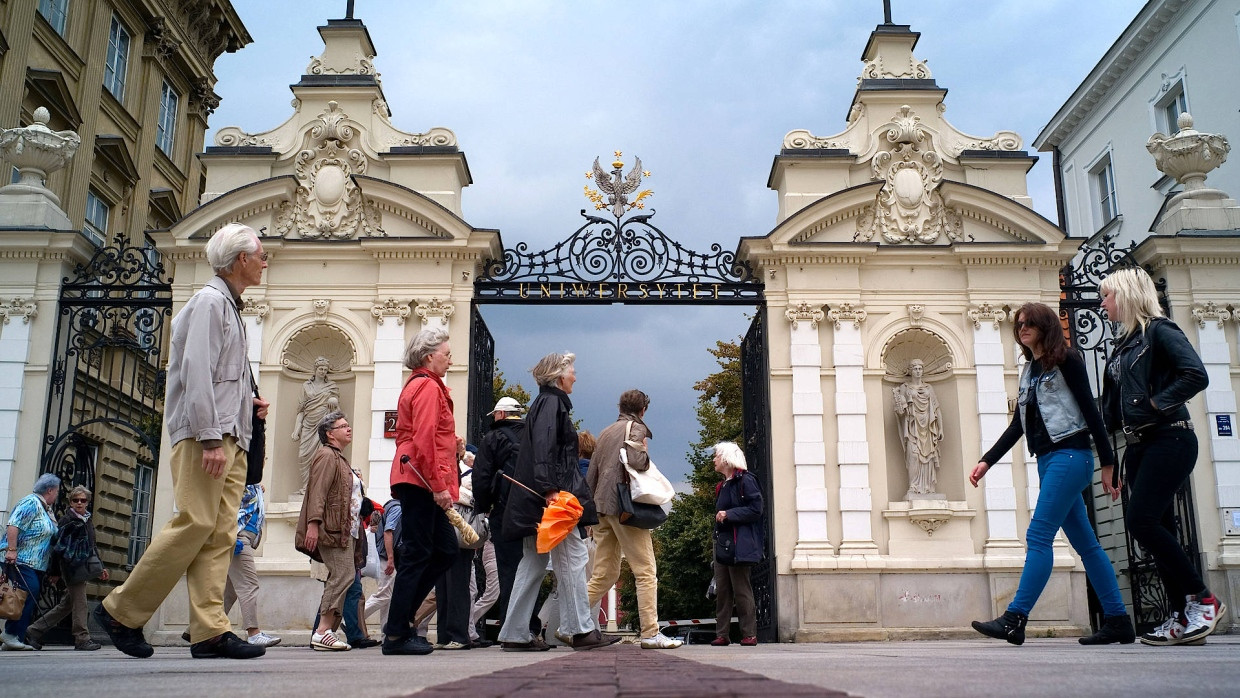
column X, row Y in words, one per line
column 329, row 497
column 606, row 470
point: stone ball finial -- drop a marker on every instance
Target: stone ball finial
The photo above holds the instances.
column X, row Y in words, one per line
column 1184, row 121
column 41, row 116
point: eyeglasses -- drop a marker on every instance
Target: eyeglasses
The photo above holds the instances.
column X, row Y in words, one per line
column 262, row 256
column 79, row 500
column 342, row 426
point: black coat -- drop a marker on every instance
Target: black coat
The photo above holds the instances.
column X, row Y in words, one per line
column 497, row 456
column 546, row 463
column 740, row 496
column 1158, row 364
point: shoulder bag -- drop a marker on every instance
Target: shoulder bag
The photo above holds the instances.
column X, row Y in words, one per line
column 476, row 521
column 13, row 593
column 647, row 486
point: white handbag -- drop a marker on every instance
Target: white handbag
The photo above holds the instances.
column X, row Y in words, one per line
column 648, row 486
column 374, row 566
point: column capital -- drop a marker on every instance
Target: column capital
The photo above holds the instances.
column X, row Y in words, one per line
column 257, row 309
column 805, row 312
column 390, row 308
column 1211, row 312
column 434, row 308
column 847, row 312
column 24, row 308
column 986, row 312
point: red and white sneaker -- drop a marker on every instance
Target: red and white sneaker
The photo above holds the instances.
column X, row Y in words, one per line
column 1170, row 632
column 1202, row 616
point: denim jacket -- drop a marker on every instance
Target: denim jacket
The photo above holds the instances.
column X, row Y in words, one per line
column 1060, row 412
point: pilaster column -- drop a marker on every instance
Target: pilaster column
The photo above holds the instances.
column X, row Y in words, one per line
column 252, row 314
column 809, row 454
column 389, row 354
column 852, row 447
column 16, row 316
column 1003, row 546
column 1211, row 321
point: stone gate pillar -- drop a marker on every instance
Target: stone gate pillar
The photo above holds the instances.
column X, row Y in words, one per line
column 808, row 447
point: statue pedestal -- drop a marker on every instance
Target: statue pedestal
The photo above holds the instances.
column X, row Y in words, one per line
column 24, row 206
column 929, row 528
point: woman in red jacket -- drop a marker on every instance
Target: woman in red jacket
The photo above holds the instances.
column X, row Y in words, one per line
column 424, row 479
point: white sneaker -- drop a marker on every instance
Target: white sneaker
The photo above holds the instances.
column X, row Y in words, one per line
column 1171, row 632
column 1201, row 616
column 12, row 643
column 661, row 642
column 327, row 642
column 262, row 639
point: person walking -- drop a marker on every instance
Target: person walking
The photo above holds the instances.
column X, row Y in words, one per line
column 327, row 525
column 738, row 520
column 547, row 464
column 208, row 412
column 1055, row 412
column 1152, row 372
column 424, row 478
column 242, row 584
column 73, row 554
column 27, row 550
column 613, row 539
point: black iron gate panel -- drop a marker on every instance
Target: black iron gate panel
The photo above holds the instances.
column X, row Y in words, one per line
column 105, row 397
column 756, row 420
column 481, row 375
column 1090, row 332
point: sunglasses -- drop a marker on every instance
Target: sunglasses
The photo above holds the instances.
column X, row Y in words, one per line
column 1021, row 323
column 79, row 500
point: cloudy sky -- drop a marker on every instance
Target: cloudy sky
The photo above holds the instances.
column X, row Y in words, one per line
column 703, row 92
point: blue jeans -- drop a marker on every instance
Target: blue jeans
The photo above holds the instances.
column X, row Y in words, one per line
column 1064, row 475
column 29, row 582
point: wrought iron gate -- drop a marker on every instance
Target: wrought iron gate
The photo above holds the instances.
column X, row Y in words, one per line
column 1080, row 308
column 756, row 420
column 481, row 375
column 105, row 396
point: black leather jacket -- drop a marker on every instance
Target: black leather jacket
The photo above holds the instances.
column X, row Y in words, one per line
column 1158, row 364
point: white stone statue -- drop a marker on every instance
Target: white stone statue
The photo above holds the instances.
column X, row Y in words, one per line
column 319, row 396
column 921, row 430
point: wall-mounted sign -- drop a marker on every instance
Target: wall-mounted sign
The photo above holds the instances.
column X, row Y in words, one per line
column 389, row 424
column 1223, row 424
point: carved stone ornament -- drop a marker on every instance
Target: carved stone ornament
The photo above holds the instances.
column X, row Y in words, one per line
column 909, row 207
column 847, row 312
column 390, row 308
column 987, row 313
column 805, row 312
column 37, row 151
column 328, row 203
column 321, row 306
column 1211, row 312
column 434, row 308
column 916, row 311
column 361, row 65
column 256, row 309
column 929, row 522
column 24, row 308
column 1189, row 156
column 159, row 39
column 877, row 69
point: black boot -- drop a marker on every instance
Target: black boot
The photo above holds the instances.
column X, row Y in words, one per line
column 1113, row 629
column 1010, row 626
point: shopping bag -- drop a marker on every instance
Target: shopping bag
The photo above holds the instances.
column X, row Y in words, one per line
column 12, row 593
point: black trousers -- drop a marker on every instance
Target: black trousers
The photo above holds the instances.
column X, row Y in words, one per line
column 507, row 556
column 1156, row 469
column 452, row 601
column 427, row 549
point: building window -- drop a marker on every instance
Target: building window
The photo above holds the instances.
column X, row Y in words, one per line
column 165, row 131
column 1103, row 176
column 97, row 212
column 118, row 59
column 1170, row 108
column 55, row 12
column 140, row 523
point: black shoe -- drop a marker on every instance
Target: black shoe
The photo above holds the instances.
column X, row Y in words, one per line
column 410, row 645
column 363, row 643
column 593, row 640
column 226, row 646
column 128, row 640
column 1113, row 629
column 185, row 636
column 536, row 644
column 1010, row 626
column 35, row 641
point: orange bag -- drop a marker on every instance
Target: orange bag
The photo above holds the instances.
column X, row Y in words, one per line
column 558, row 520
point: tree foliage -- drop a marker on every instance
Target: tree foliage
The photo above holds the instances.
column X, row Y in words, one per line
column 501, row 388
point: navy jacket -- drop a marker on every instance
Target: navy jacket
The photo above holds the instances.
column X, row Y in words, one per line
column 742, row 499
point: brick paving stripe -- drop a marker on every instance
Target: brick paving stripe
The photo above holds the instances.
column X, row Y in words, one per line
column 623, row 672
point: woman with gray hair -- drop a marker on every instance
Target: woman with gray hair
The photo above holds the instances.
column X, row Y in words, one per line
column 426, row 481
column 27, row 548
column 546, row 464
column 77, row 560
column 738, row 544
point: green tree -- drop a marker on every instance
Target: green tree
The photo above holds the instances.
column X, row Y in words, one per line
column 683, row 546
column 501, row 388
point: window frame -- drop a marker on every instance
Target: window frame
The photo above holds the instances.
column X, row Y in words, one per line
column 166, row 124
column 57, row 14
column 1104, row 199
column 140, row 518
column 116, row 67
column 90, row 225
column 1168, row 102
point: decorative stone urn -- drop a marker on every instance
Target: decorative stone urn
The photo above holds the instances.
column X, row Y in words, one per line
column 36, row 151
column 1189, row 156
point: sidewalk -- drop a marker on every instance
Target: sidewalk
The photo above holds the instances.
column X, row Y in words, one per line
column 1042, row 667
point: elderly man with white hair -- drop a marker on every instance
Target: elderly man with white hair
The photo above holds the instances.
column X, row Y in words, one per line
column 209, row 411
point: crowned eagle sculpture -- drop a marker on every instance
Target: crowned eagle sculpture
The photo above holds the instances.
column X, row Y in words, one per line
column 617, row 186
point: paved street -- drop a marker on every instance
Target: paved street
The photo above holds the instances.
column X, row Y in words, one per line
column 1042, row 667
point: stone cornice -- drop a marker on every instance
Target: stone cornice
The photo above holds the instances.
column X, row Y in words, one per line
column 811, row 312
column 390, row 308
column 847, row 312
column 24, row 308
column 1211, row 312
column 986, row 312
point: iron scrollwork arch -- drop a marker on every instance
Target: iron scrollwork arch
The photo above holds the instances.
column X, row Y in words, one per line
column 607, row 261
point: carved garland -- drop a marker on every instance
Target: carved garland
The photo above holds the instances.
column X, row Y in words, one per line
column 390, row 308
column 986, row 312
column 847, row 312
column 24, row 308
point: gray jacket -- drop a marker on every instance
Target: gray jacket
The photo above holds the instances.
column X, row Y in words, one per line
column 209, row 391
column 1060, row 412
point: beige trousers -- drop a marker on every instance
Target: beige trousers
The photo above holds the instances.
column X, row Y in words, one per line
column 243, row 582
column 197, row 543
column 613, row 538
column 340, row 574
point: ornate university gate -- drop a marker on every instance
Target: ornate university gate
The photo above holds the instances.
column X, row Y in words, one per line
column 1080, row 307
column 631, row 261
column 105, row 400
